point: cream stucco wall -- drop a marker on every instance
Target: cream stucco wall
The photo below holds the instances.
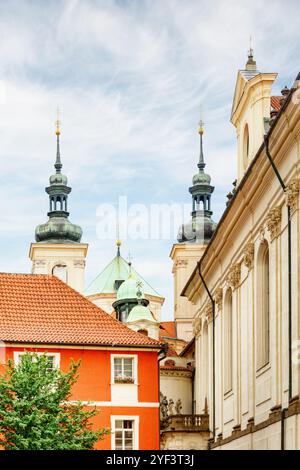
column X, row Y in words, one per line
column 184, row 441
column 45, row 256
column 257, row 214
column 176, row 384
column 184, row 257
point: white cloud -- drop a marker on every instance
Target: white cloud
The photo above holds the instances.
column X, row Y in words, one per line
column 129, row 78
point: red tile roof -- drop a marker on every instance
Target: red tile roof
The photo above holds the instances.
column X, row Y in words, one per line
column 275, row 102
column 168, row 329
column 42, row 309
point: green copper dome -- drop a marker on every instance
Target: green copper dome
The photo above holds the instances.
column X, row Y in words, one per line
column 201, row 178
column 58, row 229
column 58, row 178
column 129, row 289
column 138, row 313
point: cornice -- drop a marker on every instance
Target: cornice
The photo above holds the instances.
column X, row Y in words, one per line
column 175, row 373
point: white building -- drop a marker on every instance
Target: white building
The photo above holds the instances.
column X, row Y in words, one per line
column 247, row 314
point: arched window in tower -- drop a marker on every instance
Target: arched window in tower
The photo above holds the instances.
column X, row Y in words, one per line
column 246, row 146
column 263, row 306
column 60, row 271
column 228, row 355
column 59, row 203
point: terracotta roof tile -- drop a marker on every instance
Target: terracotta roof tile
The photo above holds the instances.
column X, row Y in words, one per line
column 43, row 309
column 170, row 352
column 168, row 328
column 276, row 102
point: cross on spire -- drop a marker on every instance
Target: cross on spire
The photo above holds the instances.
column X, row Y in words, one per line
column 251, row 63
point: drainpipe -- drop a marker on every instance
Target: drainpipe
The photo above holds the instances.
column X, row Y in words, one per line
column 162, row 354
column 266, row 139
column 213, row 358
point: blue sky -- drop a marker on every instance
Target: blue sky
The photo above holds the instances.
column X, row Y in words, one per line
column 130, row 78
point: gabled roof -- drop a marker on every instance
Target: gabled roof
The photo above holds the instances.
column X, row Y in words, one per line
column 117, row 269
column 42, row 309
column 243, row 77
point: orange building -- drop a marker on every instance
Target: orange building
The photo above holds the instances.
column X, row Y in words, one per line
column 119, row 371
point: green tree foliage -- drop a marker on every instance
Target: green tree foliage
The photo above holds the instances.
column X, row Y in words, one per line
column 34, row 409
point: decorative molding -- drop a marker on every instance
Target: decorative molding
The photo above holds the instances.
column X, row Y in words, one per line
column 248, row 255
column 234, row 275
column 274, row 222
column 39, row 262
column 79, row 263
column 196, row 326
column 175, row 373
column 181, row 263
column 292, row 194
column 261, row 233
column 208, row 312
column 275, row 416
column 219, row 298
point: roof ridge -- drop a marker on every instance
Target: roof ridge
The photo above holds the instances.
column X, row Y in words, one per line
column 42, row 308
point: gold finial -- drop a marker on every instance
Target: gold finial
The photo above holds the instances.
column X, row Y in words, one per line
column 57, row 123
column 119, row 243
column 201, row 124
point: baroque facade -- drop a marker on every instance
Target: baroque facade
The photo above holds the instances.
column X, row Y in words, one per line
column 247, row 317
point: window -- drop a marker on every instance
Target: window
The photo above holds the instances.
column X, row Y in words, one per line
column 125, row 432
column 205, row 363
column 246, row 146
column 123, row 370
column 53, row 359
column 263, row 307
column 143, row 332
column 50, row 363
column 60, row 271
column 124, row 435
column 228, row 342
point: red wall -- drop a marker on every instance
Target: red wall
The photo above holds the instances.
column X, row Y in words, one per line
column 94, row 385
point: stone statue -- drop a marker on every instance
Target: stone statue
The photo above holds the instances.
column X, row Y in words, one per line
column 163, row 407
column 171, row 407
column 178, row 407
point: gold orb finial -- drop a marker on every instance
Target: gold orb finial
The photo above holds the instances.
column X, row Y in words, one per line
column 57, row 123
column 119, row 243
column 201, row 124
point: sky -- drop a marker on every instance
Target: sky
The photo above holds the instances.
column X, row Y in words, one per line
column 132, row 79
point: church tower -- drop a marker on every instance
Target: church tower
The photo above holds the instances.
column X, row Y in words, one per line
column 250, row 111
column 58, row 249
column 192, row 240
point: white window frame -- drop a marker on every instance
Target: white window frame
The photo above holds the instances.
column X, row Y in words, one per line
column 134, row 367
column 136, row 429
column 18, row 354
